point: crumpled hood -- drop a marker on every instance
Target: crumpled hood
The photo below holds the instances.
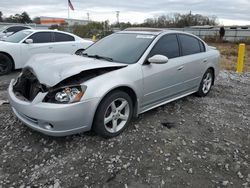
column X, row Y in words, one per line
column 50, row 69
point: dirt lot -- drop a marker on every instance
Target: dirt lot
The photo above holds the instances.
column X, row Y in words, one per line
column 202, row 142
column 229, row 53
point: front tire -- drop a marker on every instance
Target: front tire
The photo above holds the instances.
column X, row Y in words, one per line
column 6, row 64
column 206, row 83
column 113, row 114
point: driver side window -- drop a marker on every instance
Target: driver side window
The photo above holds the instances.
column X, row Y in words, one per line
column 168, row 46
column 41, row 37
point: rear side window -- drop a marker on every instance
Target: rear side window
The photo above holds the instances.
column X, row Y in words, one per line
column 41, row 37
column 12, row 29
column 189, row 45
column 167, row 46
column 202, row 46
column 16, row 29
column 61, row 37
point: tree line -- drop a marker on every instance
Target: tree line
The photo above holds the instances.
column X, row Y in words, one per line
column 169, row 20
column 175, row 20
column 17, row 18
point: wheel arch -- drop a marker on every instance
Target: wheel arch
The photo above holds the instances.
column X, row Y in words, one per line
column 79, row 50
column 12, row 60
column 213, row 71
column 131, row 92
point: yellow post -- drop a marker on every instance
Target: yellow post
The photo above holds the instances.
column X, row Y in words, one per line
column 241, row 55
column 94, row 38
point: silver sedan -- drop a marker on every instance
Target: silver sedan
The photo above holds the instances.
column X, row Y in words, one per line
column 118, row 77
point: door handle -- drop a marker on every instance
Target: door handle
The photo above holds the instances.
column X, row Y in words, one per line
column 73, row 45
column 50, row 47
column 205, row 61
column 180, row 68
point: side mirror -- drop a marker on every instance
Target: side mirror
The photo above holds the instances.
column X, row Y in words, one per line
column 29, row 41
column 158, row 59
column 9, row 33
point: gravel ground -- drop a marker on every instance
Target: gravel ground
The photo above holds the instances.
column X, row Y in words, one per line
column 192, row 142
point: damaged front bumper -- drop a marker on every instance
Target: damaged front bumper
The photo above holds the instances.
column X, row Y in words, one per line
column 53, row 119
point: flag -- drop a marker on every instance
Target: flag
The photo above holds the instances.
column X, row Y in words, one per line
column 70, row 5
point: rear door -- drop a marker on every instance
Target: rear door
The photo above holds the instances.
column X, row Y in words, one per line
column 64, row 43
column 192, row 61
column 42, row 43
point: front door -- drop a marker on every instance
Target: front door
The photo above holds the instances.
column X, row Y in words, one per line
column 162, row 81
column 42, row 43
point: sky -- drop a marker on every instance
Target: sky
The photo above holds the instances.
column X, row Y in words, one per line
column 228, row 12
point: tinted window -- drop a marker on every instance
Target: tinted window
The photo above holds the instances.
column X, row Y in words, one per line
column 41, row 37
column 16, row 29
column 189, row 44
column 122, row 47
column 202, row 47
column 61, row 37
column 167, row 46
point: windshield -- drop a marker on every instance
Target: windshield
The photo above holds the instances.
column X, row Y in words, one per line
column 2, row 29
column 121, row 47
column 17, row 37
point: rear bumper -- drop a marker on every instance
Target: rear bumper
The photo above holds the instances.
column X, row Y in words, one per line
column 54, row 119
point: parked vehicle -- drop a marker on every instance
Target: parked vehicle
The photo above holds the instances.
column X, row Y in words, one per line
column 120, row 76
column 16, row 50
column 10, row 30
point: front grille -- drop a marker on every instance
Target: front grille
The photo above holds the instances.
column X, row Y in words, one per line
column 27, row 86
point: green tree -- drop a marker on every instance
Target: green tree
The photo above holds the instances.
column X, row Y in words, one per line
column 179, row 20
column 19, row 18
column 25, row 18
column 99, row 29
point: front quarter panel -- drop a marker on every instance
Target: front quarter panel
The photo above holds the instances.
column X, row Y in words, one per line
column 13, row 49
column 82, row 44
column 130, row 76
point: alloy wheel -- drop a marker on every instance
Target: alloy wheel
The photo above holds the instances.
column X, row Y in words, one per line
column 207, row 83
column 116, row 115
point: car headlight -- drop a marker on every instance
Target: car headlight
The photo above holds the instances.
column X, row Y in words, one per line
column 69, row 95
column 66, row 95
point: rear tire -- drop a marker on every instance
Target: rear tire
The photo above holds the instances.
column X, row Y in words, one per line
column 6, row 64
column 79, row 52
column 206, row 83
column 113, row 114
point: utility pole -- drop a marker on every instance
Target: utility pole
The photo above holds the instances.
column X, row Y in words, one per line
column 117, row 16
column 88, row 16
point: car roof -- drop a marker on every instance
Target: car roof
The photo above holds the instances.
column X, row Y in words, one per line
column 48, row 30
column 150, row 31
column 8, row 26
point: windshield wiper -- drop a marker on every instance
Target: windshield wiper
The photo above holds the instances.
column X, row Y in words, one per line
column 98, row 57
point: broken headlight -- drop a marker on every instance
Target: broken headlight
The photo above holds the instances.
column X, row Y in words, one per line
column 66, row 95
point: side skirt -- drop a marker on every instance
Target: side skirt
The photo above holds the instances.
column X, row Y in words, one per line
column 167, row 101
